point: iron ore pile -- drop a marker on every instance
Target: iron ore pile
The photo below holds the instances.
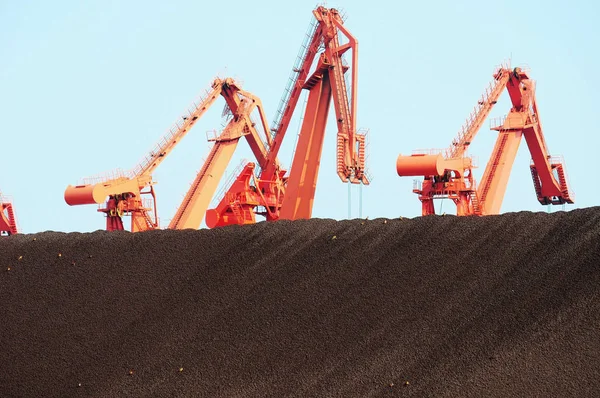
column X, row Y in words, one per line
column 437, row 306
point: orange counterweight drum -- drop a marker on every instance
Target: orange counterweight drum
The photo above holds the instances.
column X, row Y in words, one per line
column 90, row 194
column 420, row 165
column 83, row 195
column 212, row 218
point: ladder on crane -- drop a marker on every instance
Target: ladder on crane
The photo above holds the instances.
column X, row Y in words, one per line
column 8, row 221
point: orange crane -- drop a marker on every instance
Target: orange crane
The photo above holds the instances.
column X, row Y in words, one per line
column 126, row 191
column 8, row 222
column 274, row 194
column 448, row 173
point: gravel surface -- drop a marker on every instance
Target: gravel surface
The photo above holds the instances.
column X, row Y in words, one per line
column 440, row 306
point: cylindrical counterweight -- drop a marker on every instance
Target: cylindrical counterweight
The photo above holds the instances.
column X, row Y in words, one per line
column 84, row 195
column 420, row 165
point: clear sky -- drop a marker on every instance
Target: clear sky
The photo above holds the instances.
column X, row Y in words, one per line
column 90, row 86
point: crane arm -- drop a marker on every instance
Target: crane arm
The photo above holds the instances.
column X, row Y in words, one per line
column 180, row 129
column 291, row 96
column 479, row 114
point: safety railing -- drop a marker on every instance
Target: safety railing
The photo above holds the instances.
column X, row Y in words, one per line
column 497, row 122
column 106, row 176
column 506, row 123
column 167, row 139
column 212, row 135
column 8, row 199
column 479, row 112
column 435, row 151
column 148, row 203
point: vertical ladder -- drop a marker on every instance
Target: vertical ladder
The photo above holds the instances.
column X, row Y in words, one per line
column 340, row 155
column 536, row 184
column 361, row 151
column 564, row 184
column 12, row 222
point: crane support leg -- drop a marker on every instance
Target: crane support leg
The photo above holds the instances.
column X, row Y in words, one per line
column 302, row 182
column 114, row 223
column 463, row 207
column 193, row 208
column 495, row 178
column 427, row 207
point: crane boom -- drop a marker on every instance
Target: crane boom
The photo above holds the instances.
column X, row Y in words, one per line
column 179, row 130
column 479, row 114
column 292, row 94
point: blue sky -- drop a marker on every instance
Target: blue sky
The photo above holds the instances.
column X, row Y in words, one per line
column 90, row 86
